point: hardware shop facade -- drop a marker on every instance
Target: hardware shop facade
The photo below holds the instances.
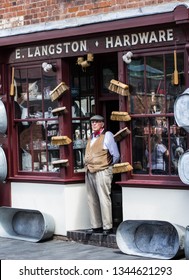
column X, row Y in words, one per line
column 84, row 60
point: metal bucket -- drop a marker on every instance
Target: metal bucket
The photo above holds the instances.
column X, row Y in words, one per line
column 183, row 167
column 153, row 239
column 3, row 118
column 24, row 224
column 181, row 109
column 186, row 243
column 3, row 165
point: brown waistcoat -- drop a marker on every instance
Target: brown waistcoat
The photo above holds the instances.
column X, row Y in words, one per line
column 97, row 158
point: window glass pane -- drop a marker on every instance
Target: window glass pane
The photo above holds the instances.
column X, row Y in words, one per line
column 33, row 106
column 81, row 132
column 136, row 79
column 178, row 145
column 173, row 90
column 83, row 107
column 140, row 131
column 152, row 86
column 150, row 140
column 157, row 142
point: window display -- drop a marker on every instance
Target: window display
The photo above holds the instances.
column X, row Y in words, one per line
column 157, row 145
column 157, row 140
column 152, row 86
column 35, row 121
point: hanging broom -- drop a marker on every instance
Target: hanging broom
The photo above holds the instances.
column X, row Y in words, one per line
column 121, row 134
column 122, row 167
column 59, row 111
column 58, row 91
column 60, row 140
column 61, row 162
column 120, row 116
column 119, row 87
column 175, row 74
column 12, row 83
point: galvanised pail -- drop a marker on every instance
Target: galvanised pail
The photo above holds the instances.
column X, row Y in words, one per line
column 151, row 238
column 183, row 167
column 186, row 243
column 3, row 118
column 181, row 109
column 3, row 165
column 25, row 224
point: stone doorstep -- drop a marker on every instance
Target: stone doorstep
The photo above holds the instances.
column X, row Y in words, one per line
column 96, row 239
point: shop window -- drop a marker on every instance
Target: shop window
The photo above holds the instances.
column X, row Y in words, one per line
column 83, row 107
column 34, row 120
column 151, row 138
column 153, row 93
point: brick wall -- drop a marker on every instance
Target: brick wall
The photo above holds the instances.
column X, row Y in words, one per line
column 14, row 13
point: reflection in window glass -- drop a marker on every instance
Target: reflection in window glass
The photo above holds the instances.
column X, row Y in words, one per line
column 157, row 141
column 157, row 145
column 81, row 132
column 152, row 85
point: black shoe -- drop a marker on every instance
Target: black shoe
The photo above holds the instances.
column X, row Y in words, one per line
column 94, row 230
column 107, row 231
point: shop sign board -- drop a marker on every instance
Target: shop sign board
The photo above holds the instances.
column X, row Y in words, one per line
column 115, row 42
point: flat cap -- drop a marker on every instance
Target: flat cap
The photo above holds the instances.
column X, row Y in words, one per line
column 97, row 118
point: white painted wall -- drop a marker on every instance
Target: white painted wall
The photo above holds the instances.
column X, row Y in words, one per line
column 156, row 204
column 67, row 204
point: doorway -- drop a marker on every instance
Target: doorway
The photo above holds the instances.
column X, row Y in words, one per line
column 116, row 194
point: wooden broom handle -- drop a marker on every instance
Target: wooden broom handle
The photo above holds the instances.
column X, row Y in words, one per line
column 12, row 83
column 12, row 78
column 175, row 60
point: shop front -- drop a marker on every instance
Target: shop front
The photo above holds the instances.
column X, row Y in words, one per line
column 53, row 82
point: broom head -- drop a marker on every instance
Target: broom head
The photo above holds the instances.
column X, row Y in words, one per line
column 122, row 167
column 58, row 91
column 61, row 162
column 119, row 87
column 120, row 116
column 60, row 140
column 59, row 111
column 121, row 134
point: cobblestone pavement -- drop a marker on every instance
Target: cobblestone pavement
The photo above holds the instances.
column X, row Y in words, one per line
column 57, row 249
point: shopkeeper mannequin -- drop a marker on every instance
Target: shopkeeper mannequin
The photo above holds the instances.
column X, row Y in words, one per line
column 101, row 153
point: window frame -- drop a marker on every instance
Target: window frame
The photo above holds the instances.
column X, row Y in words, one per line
column 15, row 173
column 144, row 180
